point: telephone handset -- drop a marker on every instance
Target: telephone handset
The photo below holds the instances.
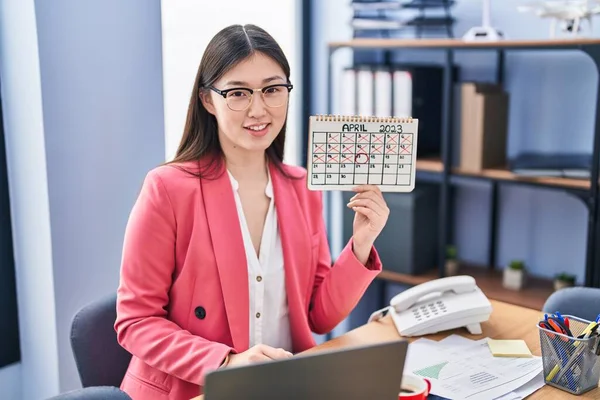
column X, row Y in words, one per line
column 438, row 305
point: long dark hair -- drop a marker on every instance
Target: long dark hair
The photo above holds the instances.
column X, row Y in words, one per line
column 226, row 49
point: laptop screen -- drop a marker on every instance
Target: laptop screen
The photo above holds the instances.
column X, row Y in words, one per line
column 363, row 372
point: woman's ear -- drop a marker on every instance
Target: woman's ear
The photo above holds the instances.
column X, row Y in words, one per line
column 206, row 100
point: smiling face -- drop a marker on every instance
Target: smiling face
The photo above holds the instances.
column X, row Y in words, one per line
column 242, row 127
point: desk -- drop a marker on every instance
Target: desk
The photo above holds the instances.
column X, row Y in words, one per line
column 506, row 322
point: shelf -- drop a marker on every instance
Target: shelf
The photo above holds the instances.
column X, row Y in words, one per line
column 533, row 296
column 505, row 175
column 501, row 174
column 458, row 43
column 425, row 5
column 430, row 165
column 436, row 171
column 397, row 6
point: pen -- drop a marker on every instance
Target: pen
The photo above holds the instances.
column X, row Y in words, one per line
column 586, row 332
column 552, row 373
column 567, row 367
column 559, row 361
column 564, row 320
column 559, row 316
column 553, row 347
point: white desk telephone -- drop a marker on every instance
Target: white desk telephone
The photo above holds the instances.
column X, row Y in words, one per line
column 438, row 305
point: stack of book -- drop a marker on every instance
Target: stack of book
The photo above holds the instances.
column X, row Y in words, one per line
column 396, row 17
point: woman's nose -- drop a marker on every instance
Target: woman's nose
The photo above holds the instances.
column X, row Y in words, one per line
column 257, row 107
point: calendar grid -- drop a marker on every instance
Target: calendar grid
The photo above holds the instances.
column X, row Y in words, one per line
column 369, row 153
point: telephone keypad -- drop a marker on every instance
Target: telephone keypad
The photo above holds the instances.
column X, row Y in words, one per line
column 429, row 310
column 417, row 314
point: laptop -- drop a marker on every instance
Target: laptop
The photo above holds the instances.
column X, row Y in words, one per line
column 362, row 372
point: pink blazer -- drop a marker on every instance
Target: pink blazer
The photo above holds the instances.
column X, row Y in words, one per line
column 183, row 296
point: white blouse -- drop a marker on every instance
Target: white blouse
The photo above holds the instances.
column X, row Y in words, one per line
column 269, row 319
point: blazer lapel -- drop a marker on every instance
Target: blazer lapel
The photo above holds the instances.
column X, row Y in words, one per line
column 228, row 246
column 297, row 256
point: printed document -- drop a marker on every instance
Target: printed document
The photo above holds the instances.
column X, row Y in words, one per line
column 460, row 368
column 518, row 394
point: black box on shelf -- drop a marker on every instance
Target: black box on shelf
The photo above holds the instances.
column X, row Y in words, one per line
column 426, row 99
column 409, row 242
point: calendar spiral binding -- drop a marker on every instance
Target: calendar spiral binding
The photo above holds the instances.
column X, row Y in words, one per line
column 361, row 118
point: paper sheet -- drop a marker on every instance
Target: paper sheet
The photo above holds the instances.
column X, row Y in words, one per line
column 459, row 368
column 518, row 394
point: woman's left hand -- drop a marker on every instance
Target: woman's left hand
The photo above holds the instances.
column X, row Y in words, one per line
column 370, row 218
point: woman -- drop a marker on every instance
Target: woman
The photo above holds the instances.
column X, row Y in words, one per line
column 225, row 258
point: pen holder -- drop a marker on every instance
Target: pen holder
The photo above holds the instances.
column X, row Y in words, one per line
column 570, row 364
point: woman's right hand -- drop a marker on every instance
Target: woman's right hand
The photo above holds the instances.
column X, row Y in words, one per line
column 258, row 353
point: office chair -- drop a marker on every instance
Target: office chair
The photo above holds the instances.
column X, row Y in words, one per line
column 93, row 393
column 582, row 302
column 100, row 359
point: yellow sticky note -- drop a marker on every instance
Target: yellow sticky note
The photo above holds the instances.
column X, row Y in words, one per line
column 509, row 348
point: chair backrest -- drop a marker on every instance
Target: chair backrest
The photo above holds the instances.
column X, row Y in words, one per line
column 100, row 359
column 93, row 393
column 582, row 302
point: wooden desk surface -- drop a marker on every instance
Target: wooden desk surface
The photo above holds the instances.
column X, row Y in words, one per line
column 506, row 322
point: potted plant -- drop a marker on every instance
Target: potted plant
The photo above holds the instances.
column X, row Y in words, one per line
column 564, row 280
column 514, row 275
column 451, row 261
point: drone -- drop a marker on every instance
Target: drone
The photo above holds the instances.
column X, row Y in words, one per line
column 570, row 13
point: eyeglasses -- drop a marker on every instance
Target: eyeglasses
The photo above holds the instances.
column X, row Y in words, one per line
column 239, row 99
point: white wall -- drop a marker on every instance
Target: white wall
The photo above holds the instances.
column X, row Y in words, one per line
column 101, row 72
column 26, row 158
column 10, row 381
column 188, row 26
column 84, row 123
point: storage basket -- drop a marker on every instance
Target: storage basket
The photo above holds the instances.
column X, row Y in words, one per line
column 570, row 364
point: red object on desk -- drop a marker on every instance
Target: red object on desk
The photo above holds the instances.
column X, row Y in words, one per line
column 414, row 388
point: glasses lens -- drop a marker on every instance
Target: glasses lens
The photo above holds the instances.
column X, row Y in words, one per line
column 238, row 99
column 275, row 96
